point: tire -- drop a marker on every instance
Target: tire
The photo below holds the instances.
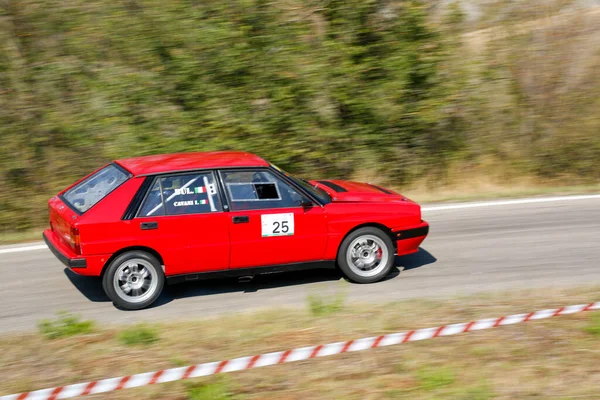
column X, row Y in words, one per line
column 370, row 247
column 133, row 280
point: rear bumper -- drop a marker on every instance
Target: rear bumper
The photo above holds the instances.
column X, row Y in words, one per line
column 62, row 253
column 409, row 240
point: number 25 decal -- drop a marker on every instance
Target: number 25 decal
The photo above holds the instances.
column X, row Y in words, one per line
column 283, row 225
column 277, row 224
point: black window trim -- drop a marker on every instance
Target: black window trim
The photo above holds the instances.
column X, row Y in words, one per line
column 138, row 199
column 296, row 186
column 157, row 177
column 62, row 198
column 221, row 186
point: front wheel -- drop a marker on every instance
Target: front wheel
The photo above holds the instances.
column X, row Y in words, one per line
column 366, row 255
column 133, row 280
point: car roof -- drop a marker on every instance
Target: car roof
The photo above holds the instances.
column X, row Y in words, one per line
column 163, row 163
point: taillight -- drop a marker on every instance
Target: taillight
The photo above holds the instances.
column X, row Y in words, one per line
column 75, row 240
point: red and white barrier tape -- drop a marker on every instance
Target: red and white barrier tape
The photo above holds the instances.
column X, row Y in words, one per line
column 304, row 353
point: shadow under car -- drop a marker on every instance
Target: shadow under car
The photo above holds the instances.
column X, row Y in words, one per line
column 91, row 287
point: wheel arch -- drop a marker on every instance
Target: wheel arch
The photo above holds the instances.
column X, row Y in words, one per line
column 384, row 228
column 133, row 248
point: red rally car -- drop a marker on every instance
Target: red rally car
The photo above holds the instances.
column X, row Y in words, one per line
column 140, row 221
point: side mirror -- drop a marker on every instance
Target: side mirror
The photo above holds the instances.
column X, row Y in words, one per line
column 306, row 203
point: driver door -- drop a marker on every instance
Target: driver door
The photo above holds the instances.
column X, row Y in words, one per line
column 268, row 225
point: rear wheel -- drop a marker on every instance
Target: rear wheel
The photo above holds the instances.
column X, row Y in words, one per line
column 366, row 255
column 133, row 280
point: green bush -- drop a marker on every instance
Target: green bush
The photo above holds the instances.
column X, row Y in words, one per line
column 65, row 325
column 138, row 335
column 320, row 305
column 135, row 78
column 178, row 361
column 337, row 89
column 435, row 378
column 210, row 391
column 593, row 326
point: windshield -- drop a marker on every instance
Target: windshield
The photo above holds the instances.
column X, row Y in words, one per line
column 90, row 191
column 316, row 192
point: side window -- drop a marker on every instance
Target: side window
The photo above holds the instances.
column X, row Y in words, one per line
column 258, row 190
column 182, row 194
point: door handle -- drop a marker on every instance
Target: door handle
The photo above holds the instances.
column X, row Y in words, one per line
column 241, row 219
column 149, row 225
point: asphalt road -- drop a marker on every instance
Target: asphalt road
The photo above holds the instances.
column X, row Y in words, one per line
column 473, row 249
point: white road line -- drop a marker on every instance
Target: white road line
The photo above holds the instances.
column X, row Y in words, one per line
column 20, row 249
column 509, row 202
column 457, row 206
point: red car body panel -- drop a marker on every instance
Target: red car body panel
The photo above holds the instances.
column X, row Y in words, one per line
column 158, row 164
column 211, row 242
column 250, row 249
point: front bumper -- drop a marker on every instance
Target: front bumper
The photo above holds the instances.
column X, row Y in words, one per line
column 409, row 240
column 420, row 231
column 61, row 252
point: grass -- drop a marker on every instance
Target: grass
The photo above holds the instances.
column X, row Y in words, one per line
column 458, row 193
column 31, row 235
column 140, row 334
column 593, row 327
column 487, row 185
column 323, row 304
column 554, row 358
column 490, row 180
column 217, row 390
column 178, row 361
column 475, row 393
column 435, row 378
column 65, row 325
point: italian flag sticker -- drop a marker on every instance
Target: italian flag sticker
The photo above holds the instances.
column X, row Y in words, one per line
column 203, row 201
column 200, row 189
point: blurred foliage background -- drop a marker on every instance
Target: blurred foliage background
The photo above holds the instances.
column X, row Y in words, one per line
column 390, row 90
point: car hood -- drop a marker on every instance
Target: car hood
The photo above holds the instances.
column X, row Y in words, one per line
column 348, row 191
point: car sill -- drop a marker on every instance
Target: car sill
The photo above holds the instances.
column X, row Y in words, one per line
column 237, row 272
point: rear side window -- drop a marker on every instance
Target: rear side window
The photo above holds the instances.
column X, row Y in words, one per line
column 153, row 205
column 182, row 194
column 90, row 191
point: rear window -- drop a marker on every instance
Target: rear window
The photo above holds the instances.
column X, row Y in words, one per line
column 90, row 191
